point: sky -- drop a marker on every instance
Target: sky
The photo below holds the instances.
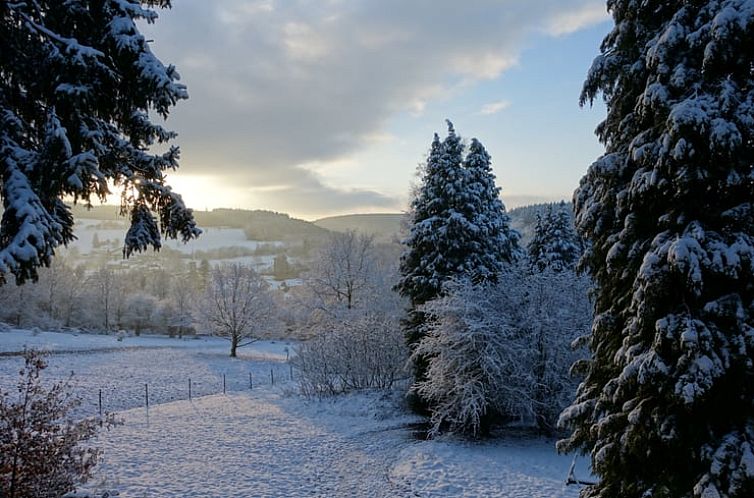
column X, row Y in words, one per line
column 326, row 107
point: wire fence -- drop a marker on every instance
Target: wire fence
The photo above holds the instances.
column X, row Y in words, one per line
column 107, row 382
column 131, row 395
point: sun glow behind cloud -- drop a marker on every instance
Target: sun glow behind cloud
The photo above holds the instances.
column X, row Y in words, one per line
column 303, row 106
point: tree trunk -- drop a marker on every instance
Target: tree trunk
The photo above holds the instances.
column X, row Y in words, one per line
column 233, row 346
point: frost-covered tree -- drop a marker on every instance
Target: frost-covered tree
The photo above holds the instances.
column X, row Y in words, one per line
column 667, row 406
column 107, row 292
column 458, row 229
column 343, row 270
column 478, row 361
column 237, row 305
column 350, row 347
column 18, row 305
column 556, row 312
column 138, row 311
column 555, row 243
column 501, row 351
column 79, row 86
column 177, row 312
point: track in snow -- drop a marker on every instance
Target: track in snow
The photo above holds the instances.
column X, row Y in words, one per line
column 244, row 446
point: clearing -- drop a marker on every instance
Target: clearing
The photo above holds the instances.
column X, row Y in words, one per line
column 268, row 441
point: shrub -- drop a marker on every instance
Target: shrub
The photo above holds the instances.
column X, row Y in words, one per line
column 42, row 454
column 361, row 352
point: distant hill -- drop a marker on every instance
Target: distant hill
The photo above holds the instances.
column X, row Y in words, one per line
column 387, row 226
column 258, row 224
column 384, row 226
column 105, row 212
column 270, row 225
column 262, row 225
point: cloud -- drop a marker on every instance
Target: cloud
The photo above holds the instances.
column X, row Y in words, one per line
column 304, row 192
column 276, row 85
column 494, row 107
column 586, row 15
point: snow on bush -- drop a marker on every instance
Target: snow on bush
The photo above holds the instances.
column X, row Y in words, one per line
column 501, row 352
column 359, row 351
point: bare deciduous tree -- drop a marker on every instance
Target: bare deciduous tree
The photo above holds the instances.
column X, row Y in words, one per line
column 104, row 283
column 237, row 305
column 343, row 268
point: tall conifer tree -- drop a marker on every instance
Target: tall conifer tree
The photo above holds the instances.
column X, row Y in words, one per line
column 667, row 406
column 459, row 228
column 496, row 243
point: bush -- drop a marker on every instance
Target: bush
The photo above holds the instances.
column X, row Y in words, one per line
column 361, row 352
column 502, row 352
column 41, row 450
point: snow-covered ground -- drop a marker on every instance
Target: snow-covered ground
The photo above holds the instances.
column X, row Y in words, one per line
column 265, row 443
column 268, row 441
column 122, row 370
column 15, row 340
column 212, row 237
column 510, row 467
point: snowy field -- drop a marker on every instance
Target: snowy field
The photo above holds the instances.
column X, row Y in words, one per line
column 15, row 340
column 122, row 369
column 212, row 237
column 268, row 441
column 265, row 443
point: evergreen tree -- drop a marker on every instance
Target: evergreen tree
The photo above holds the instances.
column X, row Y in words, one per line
column 495, row 243
column 555, row 244
column 78, row 83
column 667, row 405
column 566, row 246
column 459, row 229
column 536, row 247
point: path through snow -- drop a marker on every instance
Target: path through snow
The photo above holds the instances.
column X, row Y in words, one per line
column 264, row 444
column 245, row 446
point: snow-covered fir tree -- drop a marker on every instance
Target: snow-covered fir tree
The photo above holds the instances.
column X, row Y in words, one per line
column 555, row 244
column 459, row 229
column 535, row 247
column 78, row 87
column 495, row 242
column 667, row 406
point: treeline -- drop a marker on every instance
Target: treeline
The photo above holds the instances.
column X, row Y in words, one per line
column 68, row 295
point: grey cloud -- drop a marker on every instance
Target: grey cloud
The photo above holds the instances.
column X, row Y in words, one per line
column 275, row 84
column 323, row 200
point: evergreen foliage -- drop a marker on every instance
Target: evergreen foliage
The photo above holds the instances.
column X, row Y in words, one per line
column 555, row 244
column 78, row 83
column 667, row 406
column 459, row 228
